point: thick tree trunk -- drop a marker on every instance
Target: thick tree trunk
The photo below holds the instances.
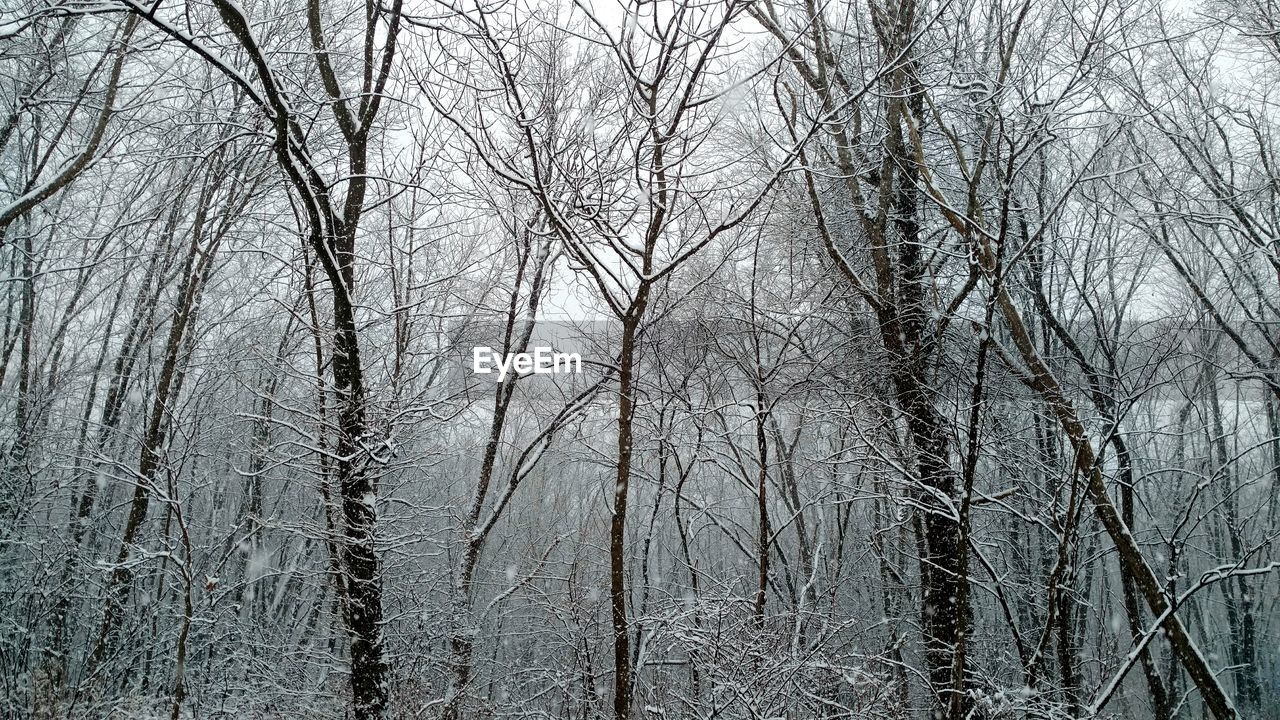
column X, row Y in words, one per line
column 357, row 487
column 907, row 337
column 618, row 521
column 17, row 458
column 331, row 233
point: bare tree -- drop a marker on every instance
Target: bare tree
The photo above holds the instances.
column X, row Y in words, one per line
column 928, row 359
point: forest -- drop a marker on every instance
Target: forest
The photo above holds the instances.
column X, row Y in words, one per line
column 928, row 359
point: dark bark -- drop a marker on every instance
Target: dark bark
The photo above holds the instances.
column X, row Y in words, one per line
column 901, row 301
column 357, row 489
column 912, row 347
column 1041, row 379
column 331, row 228
column 618, row 520
column 762, row 502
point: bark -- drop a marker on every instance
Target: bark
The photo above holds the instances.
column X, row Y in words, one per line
column 622, row 681
column 1273, row 426
column 358, row 497
column 762, row 502
column 331, row 229
column 26, row 328
column 1040, row 378
column 137, row 333
column 179, row 691
column 686, row 555
column 902, row 306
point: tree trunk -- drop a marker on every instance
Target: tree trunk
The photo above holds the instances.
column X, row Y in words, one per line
column 618, row 520
column 358, row 489
column 762, row 503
